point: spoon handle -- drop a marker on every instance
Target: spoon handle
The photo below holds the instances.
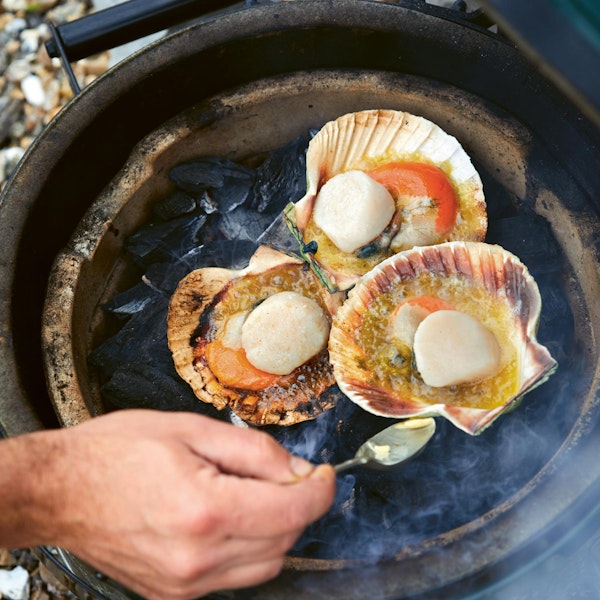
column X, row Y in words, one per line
column 348, row 464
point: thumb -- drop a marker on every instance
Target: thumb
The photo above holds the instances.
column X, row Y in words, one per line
column 245, row 452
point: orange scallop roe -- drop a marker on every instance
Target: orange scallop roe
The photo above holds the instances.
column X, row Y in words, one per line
column 429, row 303
column 233, row 369
column 421, row 179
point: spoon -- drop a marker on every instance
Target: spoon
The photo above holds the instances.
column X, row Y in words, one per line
column 392, row 446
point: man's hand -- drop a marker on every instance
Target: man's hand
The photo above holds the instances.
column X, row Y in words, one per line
column 173, row 505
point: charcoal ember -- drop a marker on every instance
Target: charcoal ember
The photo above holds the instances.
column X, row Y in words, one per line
column 175, row 205
column 278, row 236
column 198, row 175
column 229, row 182
column 226, row 199
column 243, row 224
column 281, row 178
column 233, row 194
column 142, row 340
column 227, row 254
column 136, row 385
column 131, row 301
column 158, row 241
column 207, row 203
column 164, row 276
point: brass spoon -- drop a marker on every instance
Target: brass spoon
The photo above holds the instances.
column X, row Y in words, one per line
column 393, row 445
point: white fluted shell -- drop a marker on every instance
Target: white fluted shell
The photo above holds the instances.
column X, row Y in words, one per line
column 367, row 139
column 482, row 280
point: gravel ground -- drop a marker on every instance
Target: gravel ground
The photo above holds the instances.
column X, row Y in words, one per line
column 33, row 88
column 40, row 583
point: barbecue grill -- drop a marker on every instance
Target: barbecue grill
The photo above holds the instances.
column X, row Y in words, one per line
column 227, row 85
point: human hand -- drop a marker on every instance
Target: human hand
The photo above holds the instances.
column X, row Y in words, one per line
column 175, row 505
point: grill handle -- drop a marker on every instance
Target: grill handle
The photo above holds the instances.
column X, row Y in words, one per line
column 135, row 19
column 123, row 23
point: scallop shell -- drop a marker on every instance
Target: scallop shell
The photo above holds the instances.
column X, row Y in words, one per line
column 482, row 268
column 293, row 398
column 362, row 140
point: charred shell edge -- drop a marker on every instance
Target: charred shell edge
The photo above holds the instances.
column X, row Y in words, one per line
column 195, row 292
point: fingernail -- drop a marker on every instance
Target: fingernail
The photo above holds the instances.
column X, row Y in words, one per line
column 324, row 471
column 301, row 468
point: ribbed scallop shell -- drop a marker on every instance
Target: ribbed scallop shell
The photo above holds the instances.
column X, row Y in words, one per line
column 489, row 267
column 293, row 398
column 369, row 138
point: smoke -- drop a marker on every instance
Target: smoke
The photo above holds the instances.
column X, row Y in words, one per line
column 376, row 515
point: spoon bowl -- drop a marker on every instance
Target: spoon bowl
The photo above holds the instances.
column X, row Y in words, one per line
column 392, row 446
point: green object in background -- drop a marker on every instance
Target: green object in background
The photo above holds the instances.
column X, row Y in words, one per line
column 584, row 15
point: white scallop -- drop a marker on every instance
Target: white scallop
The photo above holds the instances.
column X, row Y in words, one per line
column 452, row 347
column 352, row 209
column 283, row 332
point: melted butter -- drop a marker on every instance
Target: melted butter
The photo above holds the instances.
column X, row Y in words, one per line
column 246, row 292
column 392, row 366
column 329, row 254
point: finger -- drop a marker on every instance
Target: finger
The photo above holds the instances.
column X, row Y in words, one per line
column 250, row 453
column 244, row 452
column 254, row 508
column 240, row 451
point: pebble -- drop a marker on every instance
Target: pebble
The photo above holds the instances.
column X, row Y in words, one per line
column 15, row 26
column 14, row 584
column 7, row 560
column 33, row 90
column 42, row 583
column 10, row 157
